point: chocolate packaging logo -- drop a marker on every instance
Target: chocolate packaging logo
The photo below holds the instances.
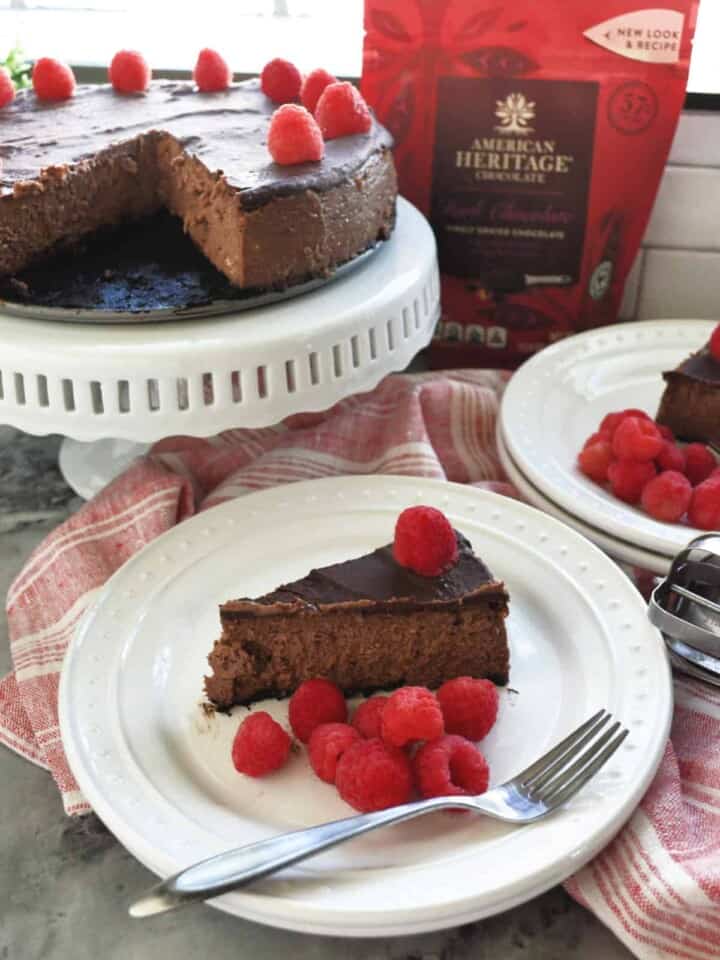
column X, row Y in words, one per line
column 507, row 160
column 515, row 113
column 514, row 157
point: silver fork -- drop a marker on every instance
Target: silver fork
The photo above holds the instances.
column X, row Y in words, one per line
column 546, row 784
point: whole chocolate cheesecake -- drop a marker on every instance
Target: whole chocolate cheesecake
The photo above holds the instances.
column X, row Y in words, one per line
column 102, row 158
column 366, row 624
column 690, row 404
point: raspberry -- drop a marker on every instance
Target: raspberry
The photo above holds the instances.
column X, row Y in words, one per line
column 341, row 111
column 469, row 706
column 704, row 509
column 366, row 718
column 665, row 432
column 373, row 776
column 129, row 72
column 450, row 766
column 411, row 713
column 327, row 744
column 611, row 421
column 628, row 477
column 699, row 463
column 667, row 496
column 7, row 87
column 594, row 437
column 313, row 85
column 671, row 457
column 281, row 81
column 260, row 745
column 424, row 541
column 211, row 72
column 595, row 459
column 637, row 439
column 315, row 702
column 714, row 344
column 294, row 137
column 52, row 80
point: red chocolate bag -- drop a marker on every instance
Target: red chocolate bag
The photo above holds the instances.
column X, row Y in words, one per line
column 533, row 135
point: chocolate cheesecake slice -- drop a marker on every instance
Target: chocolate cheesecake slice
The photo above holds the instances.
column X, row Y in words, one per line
column 102, row 158
column 690, row 404
column 366, row 624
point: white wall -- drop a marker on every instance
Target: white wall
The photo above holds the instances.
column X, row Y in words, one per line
column 677, row 272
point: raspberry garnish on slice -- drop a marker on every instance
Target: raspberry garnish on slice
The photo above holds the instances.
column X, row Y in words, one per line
column 281, row 81
column 469, row 706
column 315, row 702
column 260, row 745
column 671, row 457
column 371, row 775
column 594, row 460
column 704, row 509
column 667, row 496
column 367, row 717
column 341, row 111
column 294, row 137
column 411, row 713
column 699, row 463
column 52, row 80
column 637, row 439
column 450, row 766
column 313, row 85
column 7, row 87
column 714, row 344
column 628, row 478
column 129, row 72
column 611, row 421
column 327, row 744
column 211, row 72
column 425, row 541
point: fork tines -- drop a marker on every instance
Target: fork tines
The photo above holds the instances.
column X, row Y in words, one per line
column 562, row 771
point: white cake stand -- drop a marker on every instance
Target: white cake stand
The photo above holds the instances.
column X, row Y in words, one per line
column 112, row 389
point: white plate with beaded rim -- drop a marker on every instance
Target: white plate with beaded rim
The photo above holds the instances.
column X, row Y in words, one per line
column 558, row 397
column 157, row 769
column 619, row 549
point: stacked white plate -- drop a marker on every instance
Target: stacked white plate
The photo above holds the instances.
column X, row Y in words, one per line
column 558, row 398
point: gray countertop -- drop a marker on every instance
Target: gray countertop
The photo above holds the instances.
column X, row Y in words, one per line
column 65, row 884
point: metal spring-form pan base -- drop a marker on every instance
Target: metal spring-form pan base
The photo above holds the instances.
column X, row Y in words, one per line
column 144, row 272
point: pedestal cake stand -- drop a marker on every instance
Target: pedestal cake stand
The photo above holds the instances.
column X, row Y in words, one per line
column 111, row 389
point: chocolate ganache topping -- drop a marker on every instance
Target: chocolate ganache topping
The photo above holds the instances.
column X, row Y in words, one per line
column 700, row 366
column 97, row 116
column 379, row 578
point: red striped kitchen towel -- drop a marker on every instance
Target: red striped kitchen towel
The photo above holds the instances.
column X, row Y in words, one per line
column 657, row 885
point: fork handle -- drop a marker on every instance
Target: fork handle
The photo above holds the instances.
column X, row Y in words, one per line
column 235, row 868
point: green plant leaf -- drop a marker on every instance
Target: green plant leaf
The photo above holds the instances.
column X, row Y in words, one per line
column 18, row 67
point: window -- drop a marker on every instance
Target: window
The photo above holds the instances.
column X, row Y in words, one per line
column 248, row 32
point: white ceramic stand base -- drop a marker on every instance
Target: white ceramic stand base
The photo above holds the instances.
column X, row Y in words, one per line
column 131, row 384
column 88, row 466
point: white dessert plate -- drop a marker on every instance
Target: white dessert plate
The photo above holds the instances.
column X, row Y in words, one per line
column 156, row 767
column 557, row 399
column 619, row 549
